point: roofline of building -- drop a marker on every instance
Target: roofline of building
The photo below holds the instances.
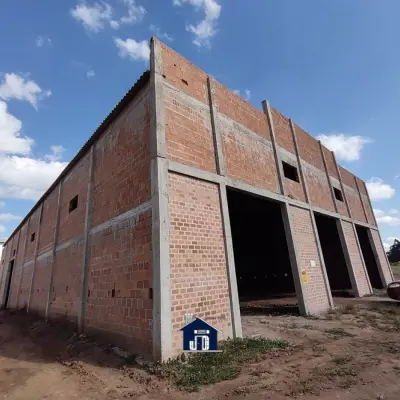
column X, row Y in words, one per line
column 129, row 96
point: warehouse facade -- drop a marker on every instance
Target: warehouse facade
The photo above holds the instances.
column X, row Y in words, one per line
column 188, row 200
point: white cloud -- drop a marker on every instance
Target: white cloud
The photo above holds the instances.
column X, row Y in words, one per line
column 346, row 148
column 43, row 41
column 247, row 93
column 378, row 190
column 2, row 230
column 387, row 243
column 132, row 49
column 90, row 73
column 95, row 17
column 2, row 204
column 27, row 177
column 21, row 175
column 135, row 13
column 206, row 28
column 9, row 217
column 158, row 33
column 11, row 140
column 393, row 211
column 17, row 87
column 384, row 219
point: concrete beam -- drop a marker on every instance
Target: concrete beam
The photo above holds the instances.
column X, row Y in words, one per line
column 86, row 244
column 230, row 261
column 219, row 154
column 35, row 256
column 328, row 177
column 278, row 161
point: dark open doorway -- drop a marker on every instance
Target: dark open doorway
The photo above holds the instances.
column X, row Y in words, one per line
column 8, row 283
column 335, row 261
column 369, row 258
column 263, row 270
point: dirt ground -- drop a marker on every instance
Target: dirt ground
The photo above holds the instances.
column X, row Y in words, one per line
column 351, row 354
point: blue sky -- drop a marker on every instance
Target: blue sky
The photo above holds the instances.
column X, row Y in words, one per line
column 330, row 65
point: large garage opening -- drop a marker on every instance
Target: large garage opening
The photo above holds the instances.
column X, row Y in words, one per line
column 335, row 262
column 369, row 258
column 263, row 271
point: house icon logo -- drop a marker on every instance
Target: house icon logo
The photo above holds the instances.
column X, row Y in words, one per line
column 198, row 336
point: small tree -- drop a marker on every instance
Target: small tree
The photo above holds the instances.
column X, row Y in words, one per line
column 394, row 252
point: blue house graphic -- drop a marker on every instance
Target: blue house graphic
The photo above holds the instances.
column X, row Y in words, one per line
column 199, row 336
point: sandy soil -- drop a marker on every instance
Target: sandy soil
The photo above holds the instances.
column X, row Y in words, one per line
column 352, row 354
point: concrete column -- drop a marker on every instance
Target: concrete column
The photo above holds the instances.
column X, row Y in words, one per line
column 35, row 255
column 278, row 161
column 378, row 261
column 294, row 260
column 347, row 258
column 6, row 272
column 219, row 154
column 162, row 303
column 352, row 222
column 86, row 244
column 23, row 260
column 53, row 251
column 314, row 225
column 361, row 200
column 230, row 258
column 16, row 258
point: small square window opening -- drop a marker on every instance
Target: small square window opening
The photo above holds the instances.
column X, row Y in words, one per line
column 73, row 204
column 290, row 172
column 13, row 252
column 338, row 194
column 33, row 236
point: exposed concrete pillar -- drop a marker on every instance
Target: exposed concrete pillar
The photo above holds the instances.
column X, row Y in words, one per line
column 314, row 225
column 53, row 251
column 352, row 221
column 35, row 256
column 294, row 260
column 219, row 154
column 328, row 177
column 162, row 303
column 23, row 261
column 86, row 244
column 230, row 259
column 278, row 161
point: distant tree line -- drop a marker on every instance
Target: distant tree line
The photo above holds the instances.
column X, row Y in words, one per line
column 394, row 252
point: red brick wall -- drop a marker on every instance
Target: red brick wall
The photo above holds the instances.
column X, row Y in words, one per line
column 120, row 278
column 188, row 131
column 353, row 198
column 33, row 228
column 41, row 284
column 17, row 267
column 234, row 107
column 183, row 75
column 48, row 224
column 122, row 163
column 283, row 133
column 381, row 255
column 356, row 259
column 25, row 284
column 65, row 292
column 198, row 265
column 248, row 159
column 318, row 188
column 5, row 263
column 315, row 294
column 75, row 183
column 330, row 162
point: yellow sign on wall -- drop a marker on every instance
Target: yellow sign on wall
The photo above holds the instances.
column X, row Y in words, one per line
column 304, row 276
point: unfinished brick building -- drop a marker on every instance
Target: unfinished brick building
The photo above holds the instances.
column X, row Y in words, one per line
column 187, row 199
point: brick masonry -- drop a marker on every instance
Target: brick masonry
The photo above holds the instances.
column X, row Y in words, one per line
column 118, row 298
column 314, row 291
column 356, row 259
column 199, row 281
